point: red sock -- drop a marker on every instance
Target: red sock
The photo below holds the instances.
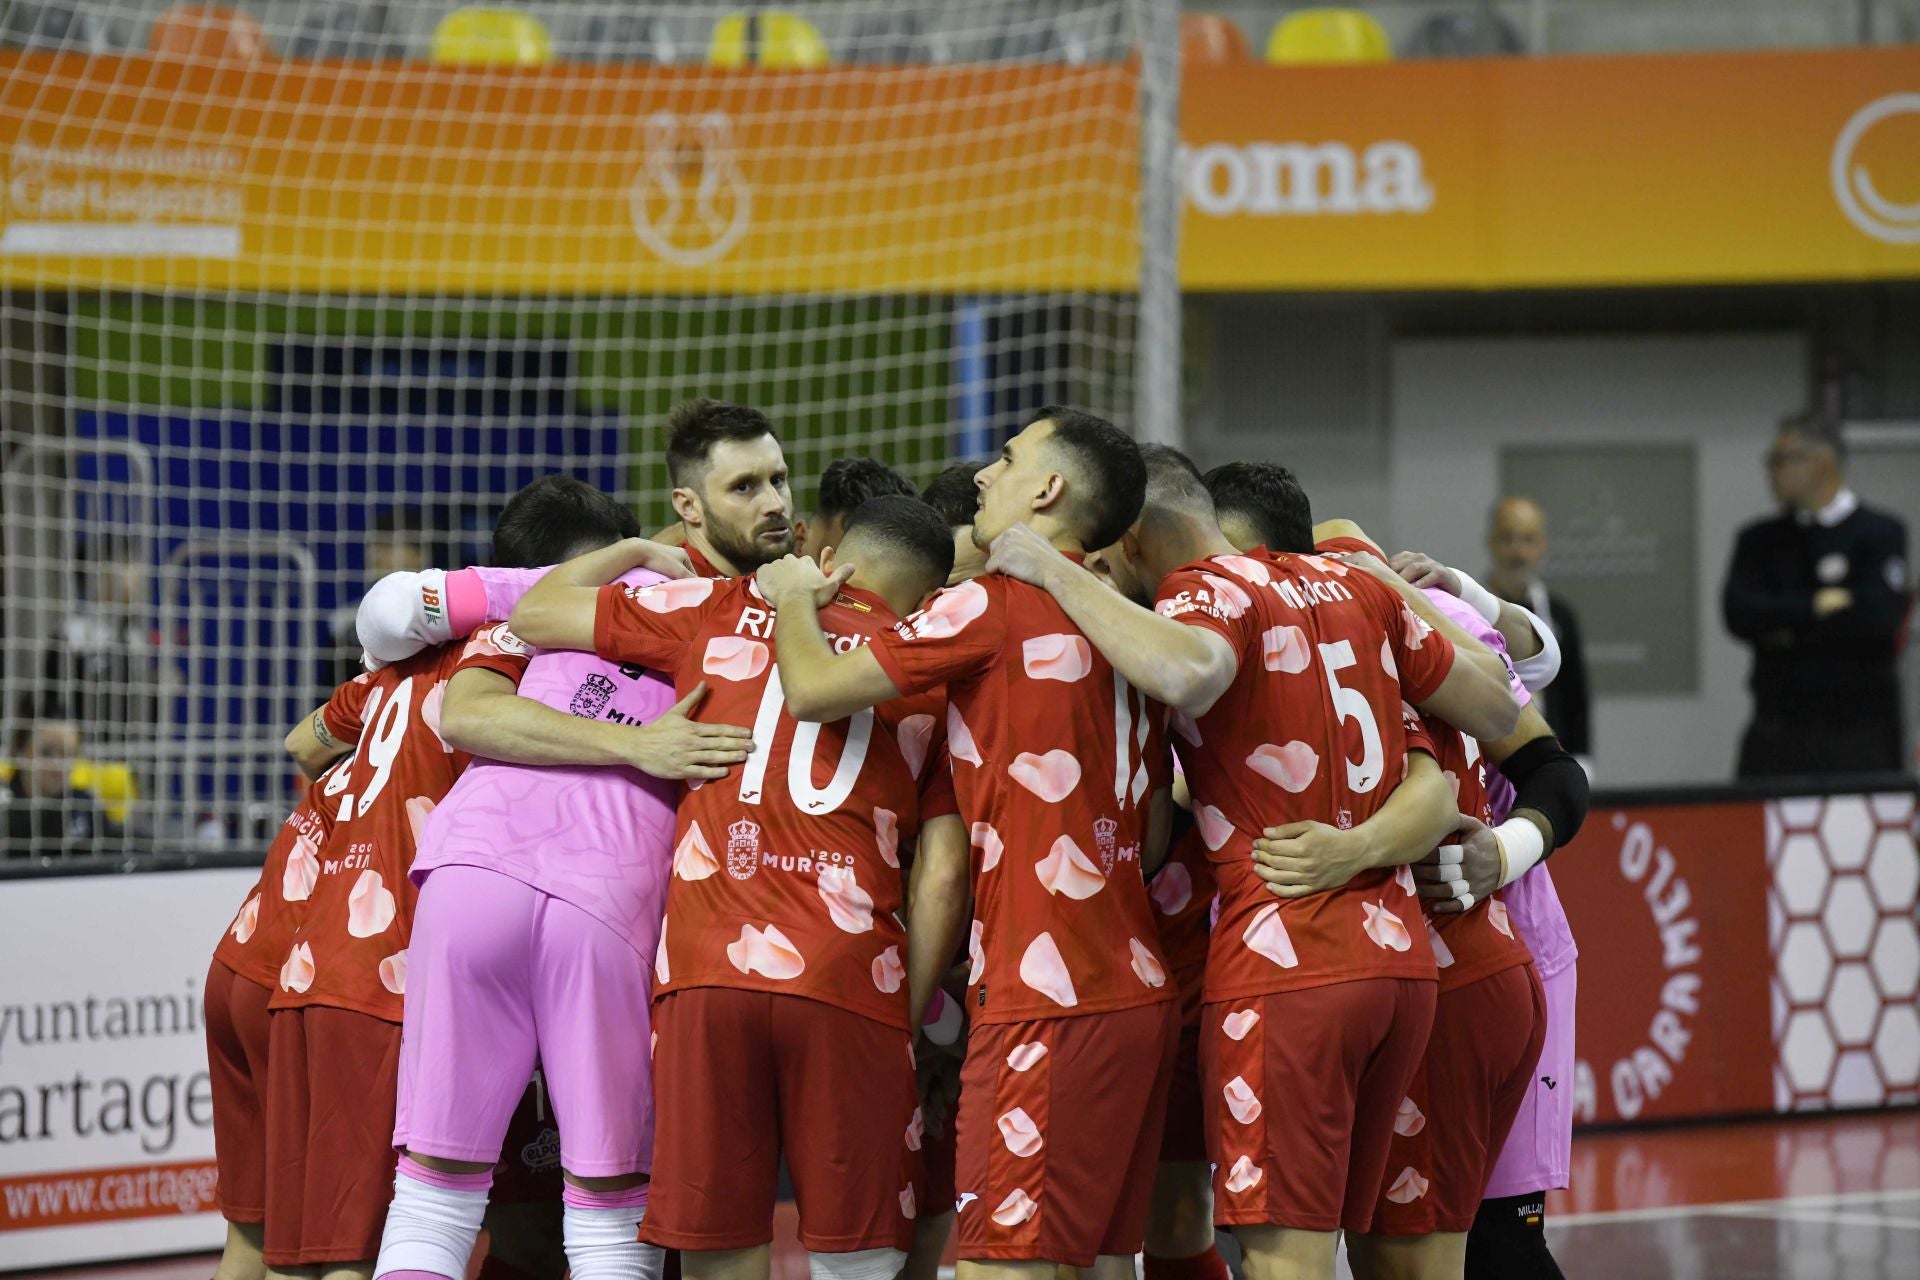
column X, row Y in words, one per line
column 1201, row 1266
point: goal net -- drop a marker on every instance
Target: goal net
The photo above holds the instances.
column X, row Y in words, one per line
column 296, row 293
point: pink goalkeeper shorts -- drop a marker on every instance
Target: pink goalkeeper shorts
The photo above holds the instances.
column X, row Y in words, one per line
column 501, row 975
column 1539, row 1150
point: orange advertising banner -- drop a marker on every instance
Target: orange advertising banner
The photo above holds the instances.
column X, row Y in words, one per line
column 386, row 177
column 150, row 173
column 1521, row 173
column 81, row 1196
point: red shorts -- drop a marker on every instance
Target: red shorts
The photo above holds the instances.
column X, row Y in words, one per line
column 236, row 1009
column 1301, row 1092
column 937, row 1152
column 1060, row 1123
column 740, row 1077
column 529, row 1168
column 331, row 1084
column 1486, row 1039
column 1185, row 1137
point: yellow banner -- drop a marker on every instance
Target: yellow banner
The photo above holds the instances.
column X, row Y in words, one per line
column 1511, row 173
column 389, row 177
column 1517, row 173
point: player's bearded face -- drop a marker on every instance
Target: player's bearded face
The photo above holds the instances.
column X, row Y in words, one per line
column 746, row 509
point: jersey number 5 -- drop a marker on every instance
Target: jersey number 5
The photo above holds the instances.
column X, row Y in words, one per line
column 1353, row 705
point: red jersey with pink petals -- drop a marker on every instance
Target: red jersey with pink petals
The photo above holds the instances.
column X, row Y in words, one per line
column 1476, row 944
column 351, row 949
column 1183, row 904
column 256, row 943
column 1314, row 727
column 1183, row 890
column 1051, row 754
column 786, row 872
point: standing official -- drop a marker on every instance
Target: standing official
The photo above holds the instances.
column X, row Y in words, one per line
column 1820, row 592
column 1516, row 544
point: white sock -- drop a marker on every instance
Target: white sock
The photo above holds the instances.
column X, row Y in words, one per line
column 430, row 1228
column 604, row 1244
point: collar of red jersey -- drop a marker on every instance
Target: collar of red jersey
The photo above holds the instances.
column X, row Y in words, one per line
column 1345, row 545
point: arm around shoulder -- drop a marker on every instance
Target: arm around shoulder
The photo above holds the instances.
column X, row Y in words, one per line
column 313, row 746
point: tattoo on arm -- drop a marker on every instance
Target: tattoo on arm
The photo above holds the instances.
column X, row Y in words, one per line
column 320, row 732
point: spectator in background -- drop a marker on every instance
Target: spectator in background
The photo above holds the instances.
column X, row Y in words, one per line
column 1517, row 543
column 1820, row 592
column 397, row 540
column 46, row 813
column 105, row 672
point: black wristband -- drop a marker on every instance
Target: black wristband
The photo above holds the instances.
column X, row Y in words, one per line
column 1549, row 781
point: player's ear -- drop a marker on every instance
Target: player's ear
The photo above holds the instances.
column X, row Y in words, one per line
column 826, row 559
column 686, row 505
column 1052, row 485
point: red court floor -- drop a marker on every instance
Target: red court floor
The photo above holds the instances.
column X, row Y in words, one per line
column 1811, row 1199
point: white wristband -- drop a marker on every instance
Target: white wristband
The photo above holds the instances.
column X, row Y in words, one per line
column 1478, row 598
column 1521, row 846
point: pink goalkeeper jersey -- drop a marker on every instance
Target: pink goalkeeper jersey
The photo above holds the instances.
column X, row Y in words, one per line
column 599, row 837
column 1532, row 902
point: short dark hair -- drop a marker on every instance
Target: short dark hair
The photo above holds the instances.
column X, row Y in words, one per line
column 555, row 518
column 848, row 482
column 1267, row 497
column 1167, row 465
column 905, row 526
column 953, row 493
column 1817, row 428
column 1112, row 475
column 695, row 426
column 1173, row 482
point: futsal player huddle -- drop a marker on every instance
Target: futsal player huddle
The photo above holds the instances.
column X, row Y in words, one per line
column 1191, row 816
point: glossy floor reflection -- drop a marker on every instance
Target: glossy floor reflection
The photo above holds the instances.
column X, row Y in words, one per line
column 1805, row 1199
column 1858, row 1237
column 1809, row 1199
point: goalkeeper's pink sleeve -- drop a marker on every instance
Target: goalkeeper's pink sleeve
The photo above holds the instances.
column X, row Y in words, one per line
column 481, row 594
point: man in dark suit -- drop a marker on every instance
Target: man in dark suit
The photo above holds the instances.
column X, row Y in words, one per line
column 1820, row 592
column 1517, row 542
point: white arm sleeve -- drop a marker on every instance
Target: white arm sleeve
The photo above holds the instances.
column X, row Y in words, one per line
column 1538, row 671
column 402, row 614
